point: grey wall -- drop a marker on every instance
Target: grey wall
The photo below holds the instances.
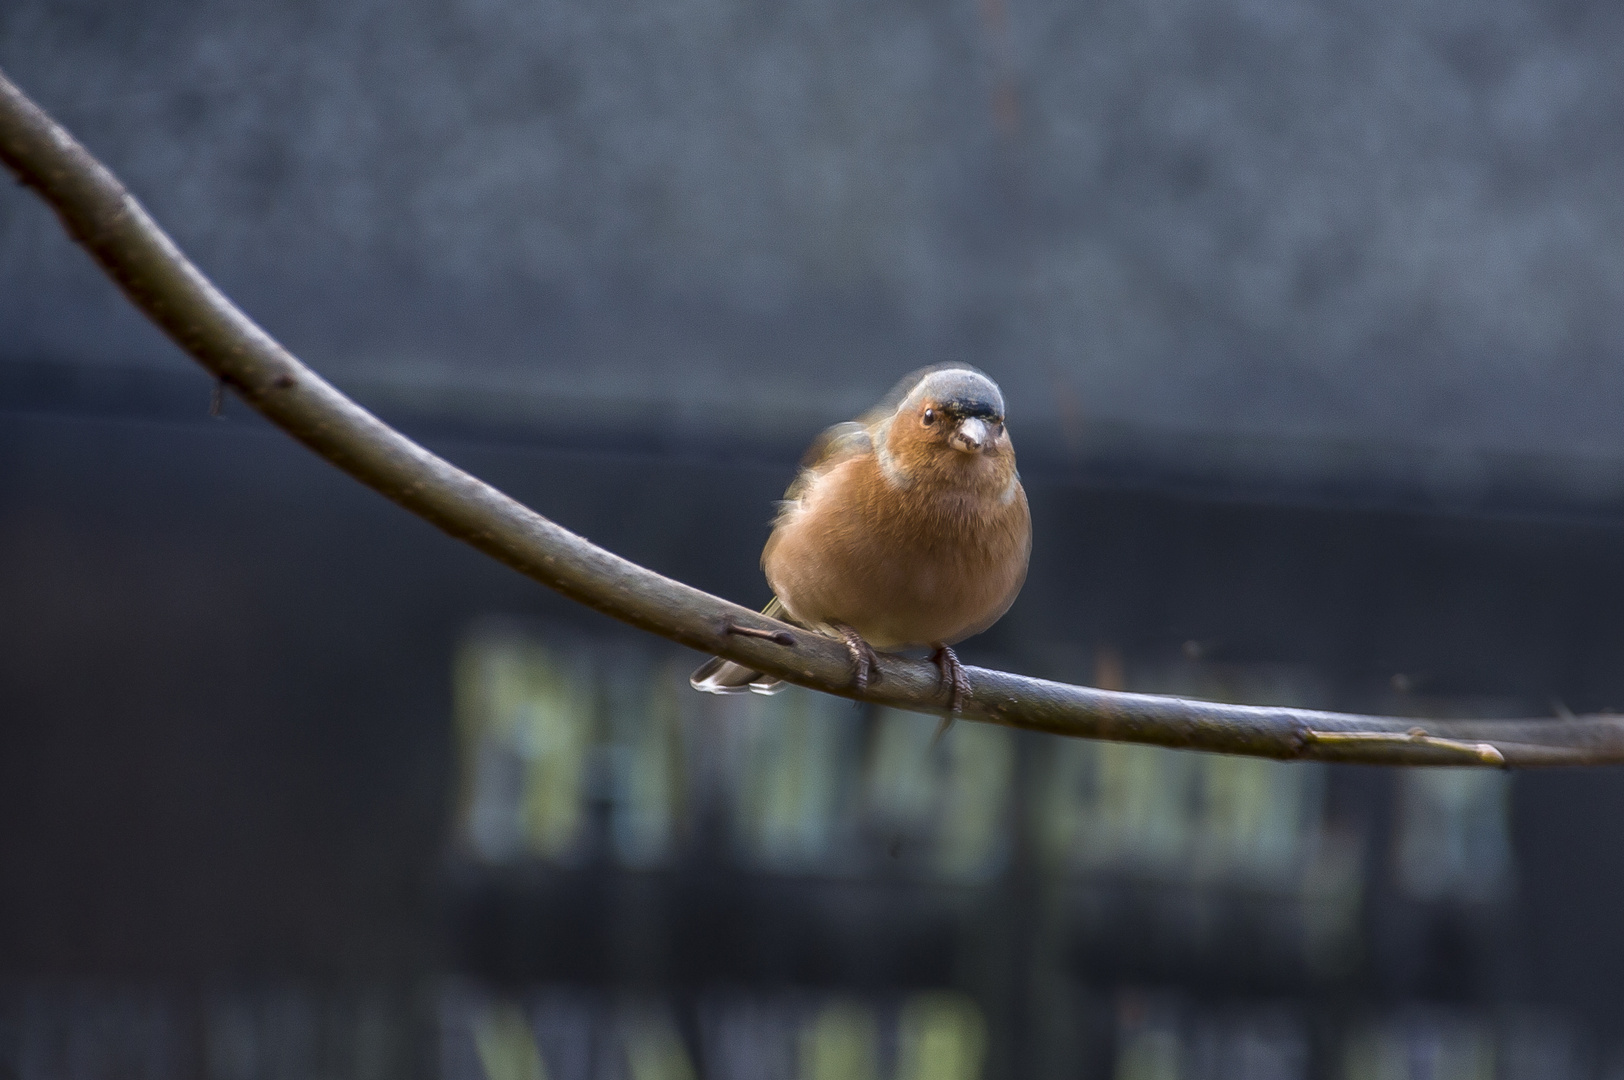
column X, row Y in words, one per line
column 1392, row 222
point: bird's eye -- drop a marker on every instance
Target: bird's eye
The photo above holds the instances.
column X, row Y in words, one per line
column 930, row 416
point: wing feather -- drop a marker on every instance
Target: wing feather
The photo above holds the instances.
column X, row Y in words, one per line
column 834, row 445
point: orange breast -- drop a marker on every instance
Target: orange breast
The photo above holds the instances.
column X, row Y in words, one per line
column 902, row 567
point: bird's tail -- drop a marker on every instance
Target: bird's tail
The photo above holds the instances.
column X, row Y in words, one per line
column 719, row 676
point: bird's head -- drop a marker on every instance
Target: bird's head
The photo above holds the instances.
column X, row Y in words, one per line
column 951, row 424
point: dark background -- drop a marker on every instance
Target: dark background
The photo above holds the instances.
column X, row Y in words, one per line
column 1387, row 223
column 1306, row 318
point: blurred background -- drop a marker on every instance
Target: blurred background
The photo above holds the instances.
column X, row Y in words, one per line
column 1306, row 313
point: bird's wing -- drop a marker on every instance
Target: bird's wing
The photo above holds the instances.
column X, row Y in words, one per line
column 834, row 445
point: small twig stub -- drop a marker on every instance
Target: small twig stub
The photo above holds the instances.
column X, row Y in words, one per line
column 777, row 637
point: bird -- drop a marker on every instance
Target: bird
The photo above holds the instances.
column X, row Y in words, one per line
column 905, row 528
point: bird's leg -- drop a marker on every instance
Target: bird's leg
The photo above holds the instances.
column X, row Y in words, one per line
column 958, row 683
column 863, row 656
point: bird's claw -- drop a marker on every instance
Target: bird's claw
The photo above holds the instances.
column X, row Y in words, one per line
column 958, row 683
column 863, row 657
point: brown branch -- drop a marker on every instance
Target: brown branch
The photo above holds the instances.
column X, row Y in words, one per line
column 153, row 273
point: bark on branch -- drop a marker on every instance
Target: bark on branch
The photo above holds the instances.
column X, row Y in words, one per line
column 103, row 217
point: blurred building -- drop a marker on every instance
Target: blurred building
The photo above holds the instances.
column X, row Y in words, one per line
column 1306, row 316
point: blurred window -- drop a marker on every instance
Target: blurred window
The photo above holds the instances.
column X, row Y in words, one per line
column 941, row 1036
column 1173, row 815
column 1452, row 839
column 793, row 758
column 1178, row 815
column 943, row 804
column 526, row 715
column 548, row 730
column 562, row 1033
column 1421, row 1049
column 1160, row 1040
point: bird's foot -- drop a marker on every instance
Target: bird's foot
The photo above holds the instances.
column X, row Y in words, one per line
column 958, row 683
column 863, row 657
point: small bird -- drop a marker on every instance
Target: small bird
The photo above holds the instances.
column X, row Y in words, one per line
column 905, row 528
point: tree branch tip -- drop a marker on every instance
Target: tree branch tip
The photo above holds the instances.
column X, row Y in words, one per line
column 1374, row 743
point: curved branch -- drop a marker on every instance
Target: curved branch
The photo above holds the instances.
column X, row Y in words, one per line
column 103, row 217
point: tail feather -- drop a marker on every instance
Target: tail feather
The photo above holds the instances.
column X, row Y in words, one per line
column 719, row 676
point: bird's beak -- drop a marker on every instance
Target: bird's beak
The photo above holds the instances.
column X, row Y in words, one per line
column 970, row 436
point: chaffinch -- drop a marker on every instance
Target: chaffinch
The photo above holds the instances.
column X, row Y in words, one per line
column 907, row 527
